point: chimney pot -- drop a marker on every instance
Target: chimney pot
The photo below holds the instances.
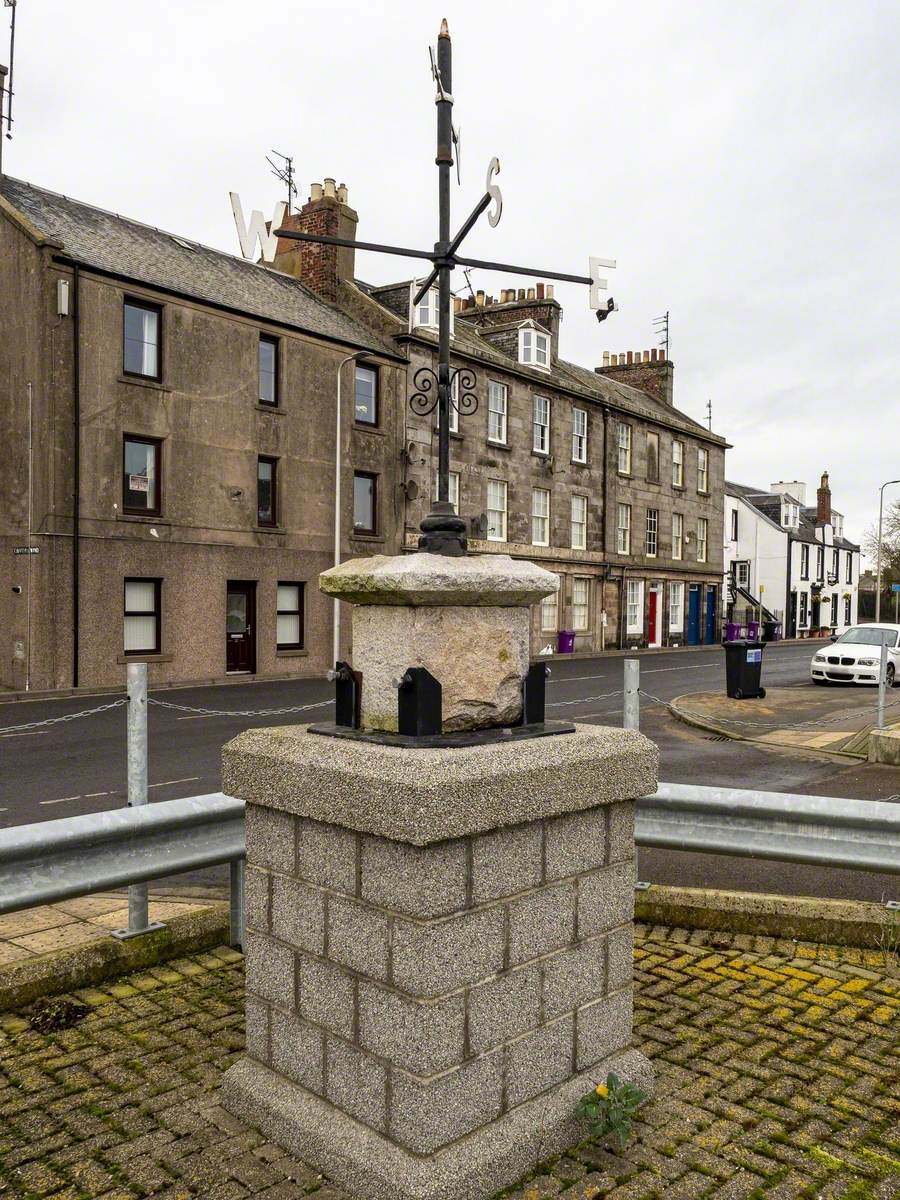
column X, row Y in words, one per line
column 479, row 298
column 606, row 358
column 540, row 291
column 549, row 291
column 531, row 293
column 630, row 358
column 521, row 293
column 315, row 192
column 329, row 187
column 646, row 356
column 342, row 193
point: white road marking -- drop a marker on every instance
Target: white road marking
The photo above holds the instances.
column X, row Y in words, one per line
column 167, row 782
column 60, row 800
column 26, row 733
column 92, row 795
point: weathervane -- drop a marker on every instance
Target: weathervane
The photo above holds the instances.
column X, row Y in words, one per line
column 443, row 532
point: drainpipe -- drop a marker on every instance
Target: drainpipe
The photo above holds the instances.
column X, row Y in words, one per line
column 785, row 632
column 76, row 465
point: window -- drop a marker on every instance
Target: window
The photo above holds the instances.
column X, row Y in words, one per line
column 540, row 517
column 365, row 404
column 653, row 457
column 141, row 475
column 496, row 510
column 742, row 574
column 702, row 538
column 579, row 522
column 634, row 606
column 834, row 609
column 804, row 609
column 534, row 348
column 790, row 514
column 847, row 617
column 541, row 425
column 820, row 563
column 497, row 394
column 624, row 444
column 804, row 562
column 141, row 348
column 426, row 311
column 266, row 491
column 623, row 529
column 677, row 535
column 550, row 612
column 142, row 622
column 838, row 522
column 677, row 464
column 289, row 617
column 452, row 488
column 676, row 607
column 579, row 435
column 454, row 403
column 849, row 567
column 581, row 604
column 702, row 470
column 836, row 564
column 268, row 370
column 364, row 502
column 652, row 532
column 734, row 525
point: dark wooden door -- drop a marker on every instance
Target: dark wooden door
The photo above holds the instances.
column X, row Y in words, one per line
column 240, row 628
column 651, row 618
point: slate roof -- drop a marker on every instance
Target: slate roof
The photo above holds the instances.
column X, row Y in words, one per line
column 769, row 504
column 118, row 245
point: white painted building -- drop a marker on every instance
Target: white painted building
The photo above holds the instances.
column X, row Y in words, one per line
column 791, row 560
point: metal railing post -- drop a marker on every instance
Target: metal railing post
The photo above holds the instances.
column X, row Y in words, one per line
column 882, row 680
column 237, row 866
column 138, row 902
column 632, row 717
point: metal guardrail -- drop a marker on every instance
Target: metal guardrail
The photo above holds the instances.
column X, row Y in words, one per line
column 863, row 835
column 74, row 856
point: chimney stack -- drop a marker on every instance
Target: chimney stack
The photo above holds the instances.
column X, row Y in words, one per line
column 823, row 502
column 319, row 266
column 647, row 370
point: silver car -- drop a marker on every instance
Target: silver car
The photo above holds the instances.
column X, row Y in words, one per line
column 855, row 656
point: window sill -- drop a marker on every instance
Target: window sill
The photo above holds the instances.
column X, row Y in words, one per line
column 147, row 658
column 268, row 529
column 139, row 381
column 497, row 445
column 301, row 653
column 365, row 427
column 579, row 462
column 677, row 487
column 703, row 492
column 367, row 537
column 545, row 454
column 624, row 474
column 270, row 408
column 142, row 518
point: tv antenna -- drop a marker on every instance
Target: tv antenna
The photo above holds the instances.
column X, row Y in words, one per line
column 285, row 173
column 6, row 77
column 709, row 414
column 662, row 328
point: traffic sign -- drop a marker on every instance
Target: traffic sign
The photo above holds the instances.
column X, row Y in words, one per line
column 895, row 587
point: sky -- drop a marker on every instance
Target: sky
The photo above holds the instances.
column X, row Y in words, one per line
column 740, row 163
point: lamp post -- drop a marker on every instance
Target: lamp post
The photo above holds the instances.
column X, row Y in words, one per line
column 359, row 356
column 878, row 570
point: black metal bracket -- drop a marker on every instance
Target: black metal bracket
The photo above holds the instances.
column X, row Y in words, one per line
column 424, row 399
column 534, row 694
column 419, row 706
column 347, row 695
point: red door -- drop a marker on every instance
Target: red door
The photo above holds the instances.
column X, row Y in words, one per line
column 652, row 599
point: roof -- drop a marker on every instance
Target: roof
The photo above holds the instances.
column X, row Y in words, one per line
column 129, row 249
column 768, row 505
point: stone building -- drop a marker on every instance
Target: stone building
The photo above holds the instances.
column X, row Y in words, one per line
column 167, row 453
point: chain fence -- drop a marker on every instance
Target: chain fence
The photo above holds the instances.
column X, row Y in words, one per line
column 583, row 699
column 86, row 712
column 230, row 712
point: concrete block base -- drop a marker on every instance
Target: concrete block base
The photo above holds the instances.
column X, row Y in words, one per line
column 369, row 1165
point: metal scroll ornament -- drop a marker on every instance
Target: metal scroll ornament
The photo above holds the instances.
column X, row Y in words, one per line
column 424, row 399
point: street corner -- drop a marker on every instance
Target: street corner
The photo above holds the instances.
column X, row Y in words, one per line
column 803, row 717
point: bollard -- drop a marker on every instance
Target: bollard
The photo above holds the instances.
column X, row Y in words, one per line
column 138, row 904
column 632, row 717
column 882, row 681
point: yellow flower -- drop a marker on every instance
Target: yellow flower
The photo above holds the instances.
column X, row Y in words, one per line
column 601, row 1089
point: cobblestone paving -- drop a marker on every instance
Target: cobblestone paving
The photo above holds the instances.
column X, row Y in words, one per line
column 777, row 1078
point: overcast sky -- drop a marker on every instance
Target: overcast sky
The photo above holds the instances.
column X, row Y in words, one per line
column 740, row 163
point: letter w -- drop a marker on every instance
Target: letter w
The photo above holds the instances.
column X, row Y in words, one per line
column 257, row 230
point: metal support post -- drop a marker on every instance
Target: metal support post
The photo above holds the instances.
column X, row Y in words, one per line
column 138, row 903
column 237, row 866
column 632, row 718
column 882, row 681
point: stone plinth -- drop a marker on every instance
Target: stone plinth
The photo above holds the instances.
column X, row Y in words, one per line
column 466, row 620
column 438, row 951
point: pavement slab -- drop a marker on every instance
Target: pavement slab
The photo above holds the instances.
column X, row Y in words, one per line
column 776, row 1062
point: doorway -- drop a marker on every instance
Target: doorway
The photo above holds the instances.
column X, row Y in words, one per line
column 654, row 613
column 240, row 628
column 710, row 616
column 693, row 636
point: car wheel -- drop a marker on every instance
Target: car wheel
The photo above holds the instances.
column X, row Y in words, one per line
column 738, row 694
column 761, row 693
column 889, row 675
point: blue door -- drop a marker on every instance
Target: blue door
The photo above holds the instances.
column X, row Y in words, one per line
column 710, row 616
column 694, row 615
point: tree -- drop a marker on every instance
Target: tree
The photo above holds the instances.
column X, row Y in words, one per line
column 890, row 546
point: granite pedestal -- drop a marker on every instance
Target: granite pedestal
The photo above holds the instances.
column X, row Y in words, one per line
column 438, row 951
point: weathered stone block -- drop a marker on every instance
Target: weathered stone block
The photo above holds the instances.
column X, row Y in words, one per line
column 325, row 995
column 256, row 899
column 432, row 959
column 298, row 914
column 423, row 1037
column 621, row 831
column 506, row 862
column 541, row 922
column 256, row 1023
column 270, row 838
column 358, row 937
column 420, row 881
column 539, row 1060
column 298, row 1051
column 502, row 1008
column 326, row 855
column 605, row 899
column 576, row 843
column 270, row 969
column 620, row 952
column 425, row 1116
column 575, row 977
column 357, row 1083
column 603, row 1028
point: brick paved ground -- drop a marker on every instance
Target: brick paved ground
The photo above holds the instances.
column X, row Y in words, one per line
column 777, row 1078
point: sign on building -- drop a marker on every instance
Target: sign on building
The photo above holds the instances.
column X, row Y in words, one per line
column 257, row 231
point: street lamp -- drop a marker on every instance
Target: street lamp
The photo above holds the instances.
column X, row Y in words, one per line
column 359, row 356
column 878, row 571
